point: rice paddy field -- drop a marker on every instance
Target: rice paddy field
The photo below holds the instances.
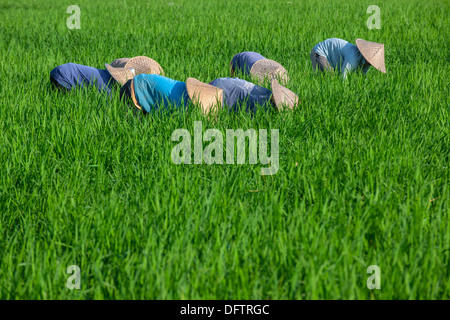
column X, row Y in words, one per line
column 363, row 173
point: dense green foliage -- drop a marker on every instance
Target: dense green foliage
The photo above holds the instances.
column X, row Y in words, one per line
column 364, row 164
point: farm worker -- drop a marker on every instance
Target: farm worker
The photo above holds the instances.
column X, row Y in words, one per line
column 254, row 64
column 238, row 92
column 339, row 55
column 71, row 75
column 154, row 92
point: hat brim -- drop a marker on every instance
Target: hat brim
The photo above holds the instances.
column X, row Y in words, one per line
column 283, row 97
column 121, row 75
column 206, row 95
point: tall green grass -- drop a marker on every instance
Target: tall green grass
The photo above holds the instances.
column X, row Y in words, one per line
column 364, row 164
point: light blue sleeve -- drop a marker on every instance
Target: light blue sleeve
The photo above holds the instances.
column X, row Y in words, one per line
column 350, row 65
column 347, row 67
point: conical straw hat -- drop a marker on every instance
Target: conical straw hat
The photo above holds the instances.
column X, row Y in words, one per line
column 124, row 69
column 269, row 69
column 205, row 94
column 121, row 75
column 144, row 65
column 373, row 52
column 282, row 96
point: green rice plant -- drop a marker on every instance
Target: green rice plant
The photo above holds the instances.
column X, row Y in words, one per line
column 364, row 163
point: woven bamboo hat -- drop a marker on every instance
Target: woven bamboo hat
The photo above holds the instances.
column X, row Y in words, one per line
column 124, row 69
column 282, row 96
column 204, row 94
column 373, row 52
column 270, row 69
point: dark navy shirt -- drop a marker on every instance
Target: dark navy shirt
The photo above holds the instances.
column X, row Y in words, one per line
column 245, row 60
column 71, row 75
column 237, row 91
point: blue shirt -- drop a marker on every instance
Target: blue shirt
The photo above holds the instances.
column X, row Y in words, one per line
column 153, row 92
column 237, row 91
column 343, row 56
column 71, row 75
column 245, row 60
